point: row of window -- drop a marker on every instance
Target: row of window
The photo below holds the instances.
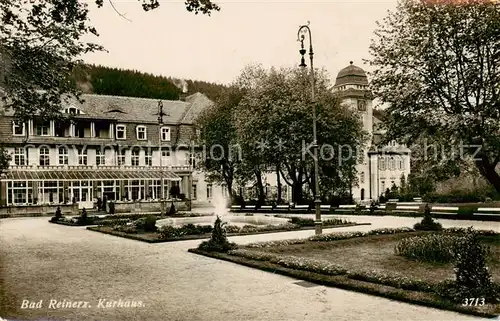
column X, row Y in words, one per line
column 43, row 129
column 21, row 159
column 391, row 163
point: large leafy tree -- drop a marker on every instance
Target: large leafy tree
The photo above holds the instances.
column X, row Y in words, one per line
column 274, row 123
column 437, row 65
column 218, row 136
column 40, row 45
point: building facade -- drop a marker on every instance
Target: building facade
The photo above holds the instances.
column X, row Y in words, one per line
column 107, row 147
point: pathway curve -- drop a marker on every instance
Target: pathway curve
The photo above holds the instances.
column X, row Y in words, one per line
column 42, row 261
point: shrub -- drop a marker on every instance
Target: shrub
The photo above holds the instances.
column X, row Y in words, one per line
column 427, row 223
column 302, row 221
column 147, row 223
column 83, row 219
column 218, row 242
column 172, row 209
column 472, row 277
column 130, row 229
column 428, row 248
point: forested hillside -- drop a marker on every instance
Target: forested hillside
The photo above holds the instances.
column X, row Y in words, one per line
column 120, row 82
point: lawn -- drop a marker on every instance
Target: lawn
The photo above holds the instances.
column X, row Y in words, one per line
column 376, row 252
column 366, row 262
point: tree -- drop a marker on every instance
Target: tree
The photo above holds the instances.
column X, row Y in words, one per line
column 40, row 43
column 438, row 67
column 218, row 137
column 274, row 125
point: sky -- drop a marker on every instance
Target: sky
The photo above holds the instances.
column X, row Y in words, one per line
column 171, row 41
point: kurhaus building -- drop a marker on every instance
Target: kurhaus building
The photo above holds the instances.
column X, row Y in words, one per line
column 110, row 148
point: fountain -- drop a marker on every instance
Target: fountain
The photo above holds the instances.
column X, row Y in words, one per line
column 220, row 208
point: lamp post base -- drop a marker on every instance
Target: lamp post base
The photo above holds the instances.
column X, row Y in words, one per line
column 318, row 223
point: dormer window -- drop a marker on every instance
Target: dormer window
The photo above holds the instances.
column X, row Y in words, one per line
column 165, row 134
column 18, row 129
column 121, row 131
column 72, row 111
column 141, row 133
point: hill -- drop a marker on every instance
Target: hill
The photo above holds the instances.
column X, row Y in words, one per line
column 121, row 82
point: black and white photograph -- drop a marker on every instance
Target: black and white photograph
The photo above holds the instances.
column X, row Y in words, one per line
column 261, row 160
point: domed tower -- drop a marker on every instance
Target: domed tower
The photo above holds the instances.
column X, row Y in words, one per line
column 352, row 87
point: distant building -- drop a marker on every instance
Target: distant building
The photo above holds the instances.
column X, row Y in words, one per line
column 381, row 167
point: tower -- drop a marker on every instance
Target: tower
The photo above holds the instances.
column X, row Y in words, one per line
column 352, row 87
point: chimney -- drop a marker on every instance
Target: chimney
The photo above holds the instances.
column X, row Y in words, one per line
column 184, row 92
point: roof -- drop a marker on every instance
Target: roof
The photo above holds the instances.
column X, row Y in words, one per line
column 135, row 109
column 351, row 75
column 52, row 175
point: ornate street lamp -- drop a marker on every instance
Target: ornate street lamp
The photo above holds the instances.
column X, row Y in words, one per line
column 160, row 123
column 301, row 35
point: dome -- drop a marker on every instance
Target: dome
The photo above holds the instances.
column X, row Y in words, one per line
column 351, row 75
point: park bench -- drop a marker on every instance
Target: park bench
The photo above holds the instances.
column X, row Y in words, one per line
column 265, row 208
column 325, row 208
column 300, row 208
column 235, row 208
column 417, row 199
column 381, row 207
column 444, row 210
column 250, row 208
column 346, row 208
column 393, row 200
column 407, row 208
column 282, row 208
column 488, row 211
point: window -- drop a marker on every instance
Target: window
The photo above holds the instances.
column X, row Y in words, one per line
column 382, row 163
column 154, row 189
column 134, row 190
column 20, row 156
column 192, row 159
column 141, row 133
column 194, row 191
column 63, row 155
column 121, row 132
column 383, row 186
column 148, row 159
column 209, row 191
column 44, row 156
column 82, row 156
column 121, row 157
column 135, row 157
column 72, row 110
column 165, row 157
column 50, row 192
column 362, row 178
column 19, row 192
column 100, row 158
column 18, row 129
column 165, row 134
column 392, row 164
column 43, row 129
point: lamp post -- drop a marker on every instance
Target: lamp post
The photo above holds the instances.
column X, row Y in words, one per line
column 160, row 122
column 301, row 35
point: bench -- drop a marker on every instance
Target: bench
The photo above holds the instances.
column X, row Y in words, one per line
column 407, row 208
column 282, row 208
column 381, row 207
column 250, row 207
column 488, row 211
column 300, row 208
column 325, row 208
column 265, row 208
column 346, row 208
column 235, row 208
column 417, row 199
column 393, row 200
column 444, row 210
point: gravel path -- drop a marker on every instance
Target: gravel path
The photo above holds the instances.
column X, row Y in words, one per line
column 42, row 261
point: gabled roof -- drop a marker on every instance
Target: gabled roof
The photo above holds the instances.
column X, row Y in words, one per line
column 137, row 110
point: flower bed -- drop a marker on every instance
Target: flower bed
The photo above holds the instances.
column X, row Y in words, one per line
column 332, row 259
column 189, row 231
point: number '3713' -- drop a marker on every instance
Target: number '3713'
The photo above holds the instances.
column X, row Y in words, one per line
column 473, row 302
